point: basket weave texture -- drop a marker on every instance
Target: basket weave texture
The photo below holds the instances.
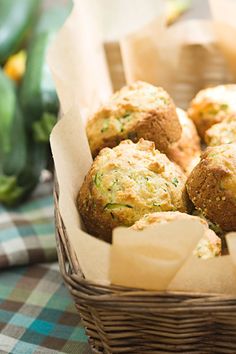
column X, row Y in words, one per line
column 126, row 320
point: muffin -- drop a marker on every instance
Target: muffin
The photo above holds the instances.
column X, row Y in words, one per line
column 208, row 247
column 127, row 182
column 222, row 133
column 186, row 152
column 212, row 186
column 139, row 110
column 212, row 106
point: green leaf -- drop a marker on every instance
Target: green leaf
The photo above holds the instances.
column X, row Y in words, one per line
column 10, row 192
column 43, row 127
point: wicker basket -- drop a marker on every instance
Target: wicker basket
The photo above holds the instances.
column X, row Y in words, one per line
column 125, row 320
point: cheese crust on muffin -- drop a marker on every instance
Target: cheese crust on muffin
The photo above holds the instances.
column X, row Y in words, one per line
column 212, row 186
column 186, row 152
column 139, row 110
column 127, row 182
column 222, row 133
column 209, row 246
column 211, row 106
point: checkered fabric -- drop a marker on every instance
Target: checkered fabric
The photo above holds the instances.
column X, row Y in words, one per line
column 37, row 314
column 27, row 232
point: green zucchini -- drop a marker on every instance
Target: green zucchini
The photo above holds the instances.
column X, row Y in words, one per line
column 37, row 92
column 12, row 133
column 21, row 159
column 36, row 161
column 15, row 188
column 16, row 18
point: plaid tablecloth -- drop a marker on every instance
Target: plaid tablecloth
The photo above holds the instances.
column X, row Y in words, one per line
column 27, row 232
column 37, row 314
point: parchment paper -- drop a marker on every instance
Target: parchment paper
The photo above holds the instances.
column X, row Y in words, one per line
column 78, row 64
column 182, row 58
column 150, row 259
column 224, row 15
column 157, row 258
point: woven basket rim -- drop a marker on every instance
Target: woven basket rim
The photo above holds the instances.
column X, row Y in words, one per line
column 76, row 275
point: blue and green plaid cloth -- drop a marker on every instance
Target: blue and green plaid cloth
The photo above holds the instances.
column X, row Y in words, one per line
column 27, row 232
column 37, row 314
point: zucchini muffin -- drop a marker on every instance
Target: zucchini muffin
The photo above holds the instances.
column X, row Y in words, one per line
column 222, row 133
column 212, row 186
column 212, row 106
column 208, row 247
column 186, row 152
column 127, row 182
column 139, row 110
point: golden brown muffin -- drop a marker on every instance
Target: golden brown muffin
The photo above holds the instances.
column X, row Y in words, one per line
column 209, row 246
column 186, row 152
column 212, row 186
column 139, row 110
column 126, row 182
column 212, row 106
column 222, row 133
